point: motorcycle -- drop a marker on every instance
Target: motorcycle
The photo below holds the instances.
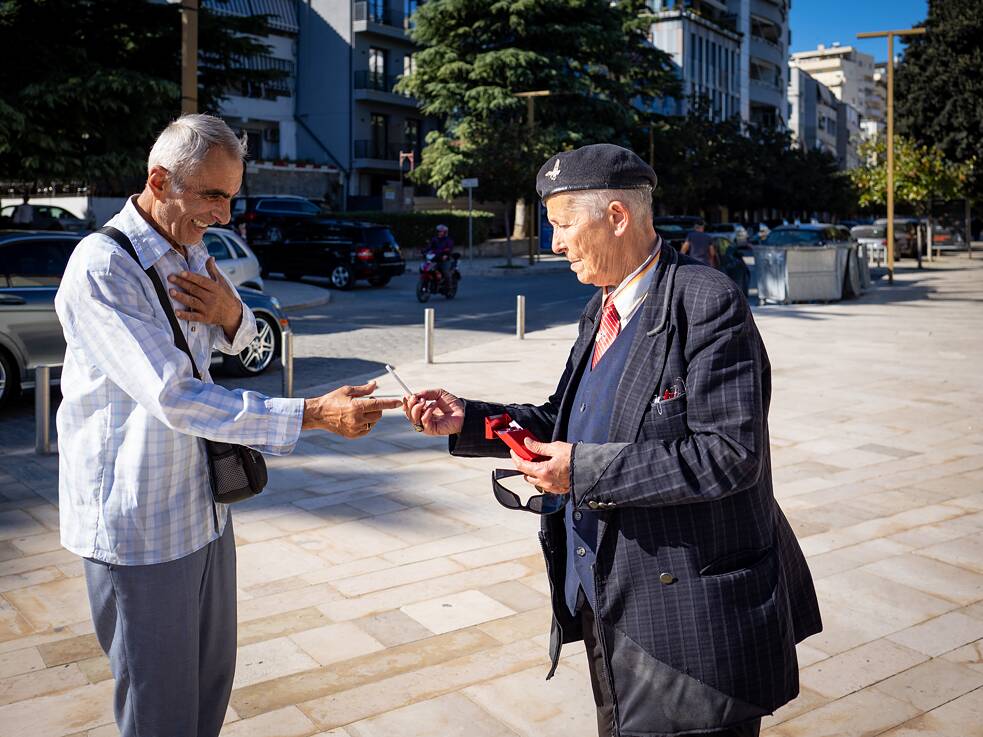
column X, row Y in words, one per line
column 432, row 280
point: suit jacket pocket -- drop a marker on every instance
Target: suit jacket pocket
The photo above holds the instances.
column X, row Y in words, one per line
column 735, row 562
column 665, row 420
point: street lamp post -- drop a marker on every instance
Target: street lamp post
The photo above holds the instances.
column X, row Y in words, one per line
column 189, row 56
column 531, row 123
column 890, row 135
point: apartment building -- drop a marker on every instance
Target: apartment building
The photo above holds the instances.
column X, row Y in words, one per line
column 819, row 121
column 730, row 52
column 335, row 127
column 847, row 72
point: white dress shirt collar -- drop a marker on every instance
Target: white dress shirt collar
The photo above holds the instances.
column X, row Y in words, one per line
column 630, row 293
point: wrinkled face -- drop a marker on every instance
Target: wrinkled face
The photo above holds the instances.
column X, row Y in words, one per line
column 202, row 200
column 591, row 246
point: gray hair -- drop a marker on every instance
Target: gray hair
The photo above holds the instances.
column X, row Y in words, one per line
column 595, row 201
column 185, row 143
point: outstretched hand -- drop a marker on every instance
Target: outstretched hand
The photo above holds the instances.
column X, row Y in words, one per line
column 552, row 475
column 348, row 411
column 434, row 412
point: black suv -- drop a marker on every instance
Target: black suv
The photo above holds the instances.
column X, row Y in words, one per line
column 262, row 219
column 675, row 228
column 344, row 251
column 294, row 236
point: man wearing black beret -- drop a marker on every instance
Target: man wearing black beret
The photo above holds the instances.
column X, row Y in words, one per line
column 665, row 549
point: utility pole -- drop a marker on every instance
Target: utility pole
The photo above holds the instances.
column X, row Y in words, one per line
column 890, row 135
column 189, row 56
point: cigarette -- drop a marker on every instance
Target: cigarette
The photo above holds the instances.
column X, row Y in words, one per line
column 398, row 380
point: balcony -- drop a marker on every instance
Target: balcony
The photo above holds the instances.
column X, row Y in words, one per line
column 767, row 50
column 378, row 87
column 371, row 154
column 377, row 18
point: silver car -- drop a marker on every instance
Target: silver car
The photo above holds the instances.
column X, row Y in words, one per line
column 234, row 257
column 31, row 267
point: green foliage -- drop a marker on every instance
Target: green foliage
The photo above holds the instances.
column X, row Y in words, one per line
column 590, row 55
column 939, row 85
column 413, row 230
column 702, row 163
column 921, row 173
column 88, row 84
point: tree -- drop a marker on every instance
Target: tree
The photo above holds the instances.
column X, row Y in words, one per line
column 87, row 84
column 921, row 173
column 939, row 88
column 592, row 56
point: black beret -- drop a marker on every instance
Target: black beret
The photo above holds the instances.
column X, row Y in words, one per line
column 598, row 166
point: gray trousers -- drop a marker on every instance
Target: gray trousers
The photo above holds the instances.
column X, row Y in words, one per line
column 169, row 630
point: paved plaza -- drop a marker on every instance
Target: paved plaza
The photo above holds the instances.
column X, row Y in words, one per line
column 383, row 592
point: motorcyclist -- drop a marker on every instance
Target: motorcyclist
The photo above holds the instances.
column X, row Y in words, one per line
column 442, row 246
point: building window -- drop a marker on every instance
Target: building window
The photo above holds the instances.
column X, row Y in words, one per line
column 377, row 69
column 380, row 136
column 409, row 65
column 692, row 56
column 377, row 11
column 411, row 135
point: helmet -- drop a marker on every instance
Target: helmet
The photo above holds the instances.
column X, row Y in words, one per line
column 441, row 228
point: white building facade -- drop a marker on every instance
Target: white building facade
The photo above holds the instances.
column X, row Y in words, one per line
column 733, row 53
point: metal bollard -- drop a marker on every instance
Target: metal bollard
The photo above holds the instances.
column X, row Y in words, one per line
column 287, row 358
column 428, row 324
column 42, row 410
column 520, row 316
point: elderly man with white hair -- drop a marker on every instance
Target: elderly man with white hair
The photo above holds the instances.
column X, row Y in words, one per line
column 665, row 549
column 134, row 489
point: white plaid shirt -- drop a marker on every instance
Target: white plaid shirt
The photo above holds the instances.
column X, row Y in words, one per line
column 133, row 479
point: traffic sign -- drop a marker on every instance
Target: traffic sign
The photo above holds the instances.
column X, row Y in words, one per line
column 469, row 183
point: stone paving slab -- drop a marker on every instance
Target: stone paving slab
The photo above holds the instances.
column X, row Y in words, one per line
column 383, row 592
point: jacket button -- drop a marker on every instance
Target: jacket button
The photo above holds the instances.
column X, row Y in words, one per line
column 577, row 515
column 667, row 578
column 581, row 552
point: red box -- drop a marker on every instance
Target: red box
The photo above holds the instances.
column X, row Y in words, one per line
column 512, row 435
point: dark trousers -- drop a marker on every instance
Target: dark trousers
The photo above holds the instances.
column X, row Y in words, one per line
column 169, row 630
column 601, row 684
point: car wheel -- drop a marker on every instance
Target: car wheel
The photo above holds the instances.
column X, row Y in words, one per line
column 9, row 379
column 261, row 353
column 379, row 281
column 422, row 292
column 341, row 277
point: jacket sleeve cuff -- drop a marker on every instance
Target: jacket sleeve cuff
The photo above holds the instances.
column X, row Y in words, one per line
column 588, row 463
column 471, row 442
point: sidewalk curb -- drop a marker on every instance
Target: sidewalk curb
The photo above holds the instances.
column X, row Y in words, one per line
column 300, row 306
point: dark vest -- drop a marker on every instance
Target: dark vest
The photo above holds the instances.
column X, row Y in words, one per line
column 590, row 422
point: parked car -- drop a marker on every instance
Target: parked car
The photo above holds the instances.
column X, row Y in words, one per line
column 46, row 217
column 732, row 231
column 810, row 234
column 344, row 251
column 674, row 228
column 31, row 267
column 234, row 257
column 905, row 236
column 265, row 219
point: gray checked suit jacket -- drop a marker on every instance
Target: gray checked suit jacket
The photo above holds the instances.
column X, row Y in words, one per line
column 702, row 590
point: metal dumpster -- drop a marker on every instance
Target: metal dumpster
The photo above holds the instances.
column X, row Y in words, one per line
column 846, row 262
column 800, row 273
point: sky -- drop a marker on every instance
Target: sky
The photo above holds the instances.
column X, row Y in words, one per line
column 815, row 22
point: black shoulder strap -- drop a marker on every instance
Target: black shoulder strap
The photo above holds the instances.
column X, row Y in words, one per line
column 165, row 302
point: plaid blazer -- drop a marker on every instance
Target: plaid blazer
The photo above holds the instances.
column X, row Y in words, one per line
column 702, row 590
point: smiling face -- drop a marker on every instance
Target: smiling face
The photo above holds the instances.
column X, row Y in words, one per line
column 182, row 214
column 593, row 247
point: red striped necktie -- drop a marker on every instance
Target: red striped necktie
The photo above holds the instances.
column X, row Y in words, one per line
column 610, row 327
